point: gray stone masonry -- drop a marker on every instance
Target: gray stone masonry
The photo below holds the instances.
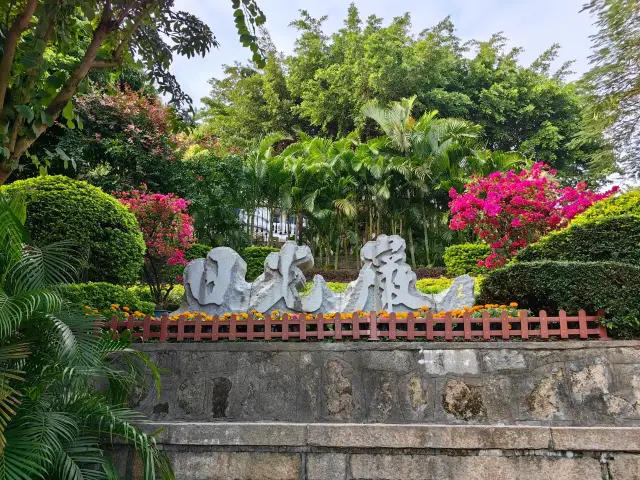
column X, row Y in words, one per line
column 569, row 383
column 289, row 451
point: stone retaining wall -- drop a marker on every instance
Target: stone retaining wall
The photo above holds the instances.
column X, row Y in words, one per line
column 287, row 451
column 528, row 383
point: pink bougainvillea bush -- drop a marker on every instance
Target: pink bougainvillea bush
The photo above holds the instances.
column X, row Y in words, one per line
column 168, row 234
column 510, row 210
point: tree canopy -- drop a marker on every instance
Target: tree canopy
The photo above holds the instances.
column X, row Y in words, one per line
column 323, row 86
column 49, row 48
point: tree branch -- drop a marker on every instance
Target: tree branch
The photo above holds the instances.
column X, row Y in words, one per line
column 69, row 89
column 20, row 24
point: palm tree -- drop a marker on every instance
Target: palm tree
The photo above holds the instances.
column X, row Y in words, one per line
column 54, row 418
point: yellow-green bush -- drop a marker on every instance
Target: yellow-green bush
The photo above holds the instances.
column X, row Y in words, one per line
column 463, row 258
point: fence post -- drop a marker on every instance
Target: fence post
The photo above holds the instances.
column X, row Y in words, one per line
column 232, row 326
column 250, row 327
column 448, row 326
column 467, row 325
column 392, row 326
column 373, row 326
column 486, row 326
column 429, row 320
column 504, row 321
column 146, row 330
column 180, row 336
column 114, row 325
column 563, row 324
column 337, row 327
column 198, row 328
column 411, row 326
column 215, row 324
column 285, row 326
column 164, row 327
column 601, row 327
column 582, row 322
column 303, row 326
column 524, row 324
column 320, row 326
column 267, row 326
column 355, row 326
column 544, row 324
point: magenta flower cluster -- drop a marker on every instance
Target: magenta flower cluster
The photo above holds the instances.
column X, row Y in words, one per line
column 165, row 224
column 510, row 210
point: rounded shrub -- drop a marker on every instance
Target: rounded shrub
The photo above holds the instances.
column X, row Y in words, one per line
column 463, row 258
column 60, row 208
column 571, row 286
column 625, row 204
column 197, row 250
column 255, row 256
column 101, row 295
column 600, row 239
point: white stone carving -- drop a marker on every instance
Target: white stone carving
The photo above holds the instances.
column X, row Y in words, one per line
column 216, row 284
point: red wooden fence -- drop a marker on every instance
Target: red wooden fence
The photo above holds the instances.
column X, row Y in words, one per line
column 365, row 327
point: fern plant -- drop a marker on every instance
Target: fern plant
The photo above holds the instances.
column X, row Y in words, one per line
column 63, row 383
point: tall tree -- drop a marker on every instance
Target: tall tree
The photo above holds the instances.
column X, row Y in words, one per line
column 613, row 83
column 35, row 88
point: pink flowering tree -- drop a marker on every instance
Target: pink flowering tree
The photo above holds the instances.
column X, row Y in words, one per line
column 168, row 233
column 510, row 210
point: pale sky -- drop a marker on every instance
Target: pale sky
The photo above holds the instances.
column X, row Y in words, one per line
column 532, row 24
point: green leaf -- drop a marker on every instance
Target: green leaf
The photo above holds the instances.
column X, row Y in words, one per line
column 235, row 4
column 6, row 152
column 238, row 13
column 70, row 124
column 54, row 81
column 68, row 111
column 25, row 111
column 46, row 118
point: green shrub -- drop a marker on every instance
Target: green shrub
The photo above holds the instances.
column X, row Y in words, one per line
column 102, row 295
column 600, row 239
column 433, row 285
column 197, row 250
column 60, row 208
column 173, row 300
column 551, row 286
column 625, row 204
column 255, row 256
column 463, row 259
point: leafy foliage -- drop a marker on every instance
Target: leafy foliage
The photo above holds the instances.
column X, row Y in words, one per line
column 511, row 210
column 612, row 84
column 463, row 258
column 255, row 257
column 56, row 420
column 101, row 295
column 49, row 48
column 60, row 208
column 549, row 285
column 168, row 234
column 172, row 302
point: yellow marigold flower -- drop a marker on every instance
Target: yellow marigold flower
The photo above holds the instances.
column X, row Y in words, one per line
column 513, row 304
column 126, row 309
column 503, row 307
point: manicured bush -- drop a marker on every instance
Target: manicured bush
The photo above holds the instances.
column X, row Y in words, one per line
column 625, row 204
column 60, row 208
column 255, row 256
column 463, row 258
column 197, row 250
column 102, row 295
column 551, row 286
column 173, row 300
column 433, row 285
column 349, row 275
column 600, row 239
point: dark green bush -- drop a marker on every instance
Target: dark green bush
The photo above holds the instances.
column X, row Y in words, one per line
column 102, row 295
column 600, row 239
column 60, row 208
column 463, row 258
column 197, row 250
column 255, row 256
column 551, row 286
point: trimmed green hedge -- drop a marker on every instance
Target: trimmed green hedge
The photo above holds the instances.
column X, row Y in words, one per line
column 102, row 295
column 463, row 258
column 255, row 256
column 197, row 250
column 173, row 300
column 551, row 286
column 60, row 208
column 600, row 239
column 625, row 204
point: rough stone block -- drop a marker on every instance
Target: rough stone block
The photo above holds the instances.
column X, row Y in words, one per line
column 612, row 439
column 235, row 465
column 432, row 467
column 326, row 466
column 499, row 360
column 624, row 467
column 442, row 362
